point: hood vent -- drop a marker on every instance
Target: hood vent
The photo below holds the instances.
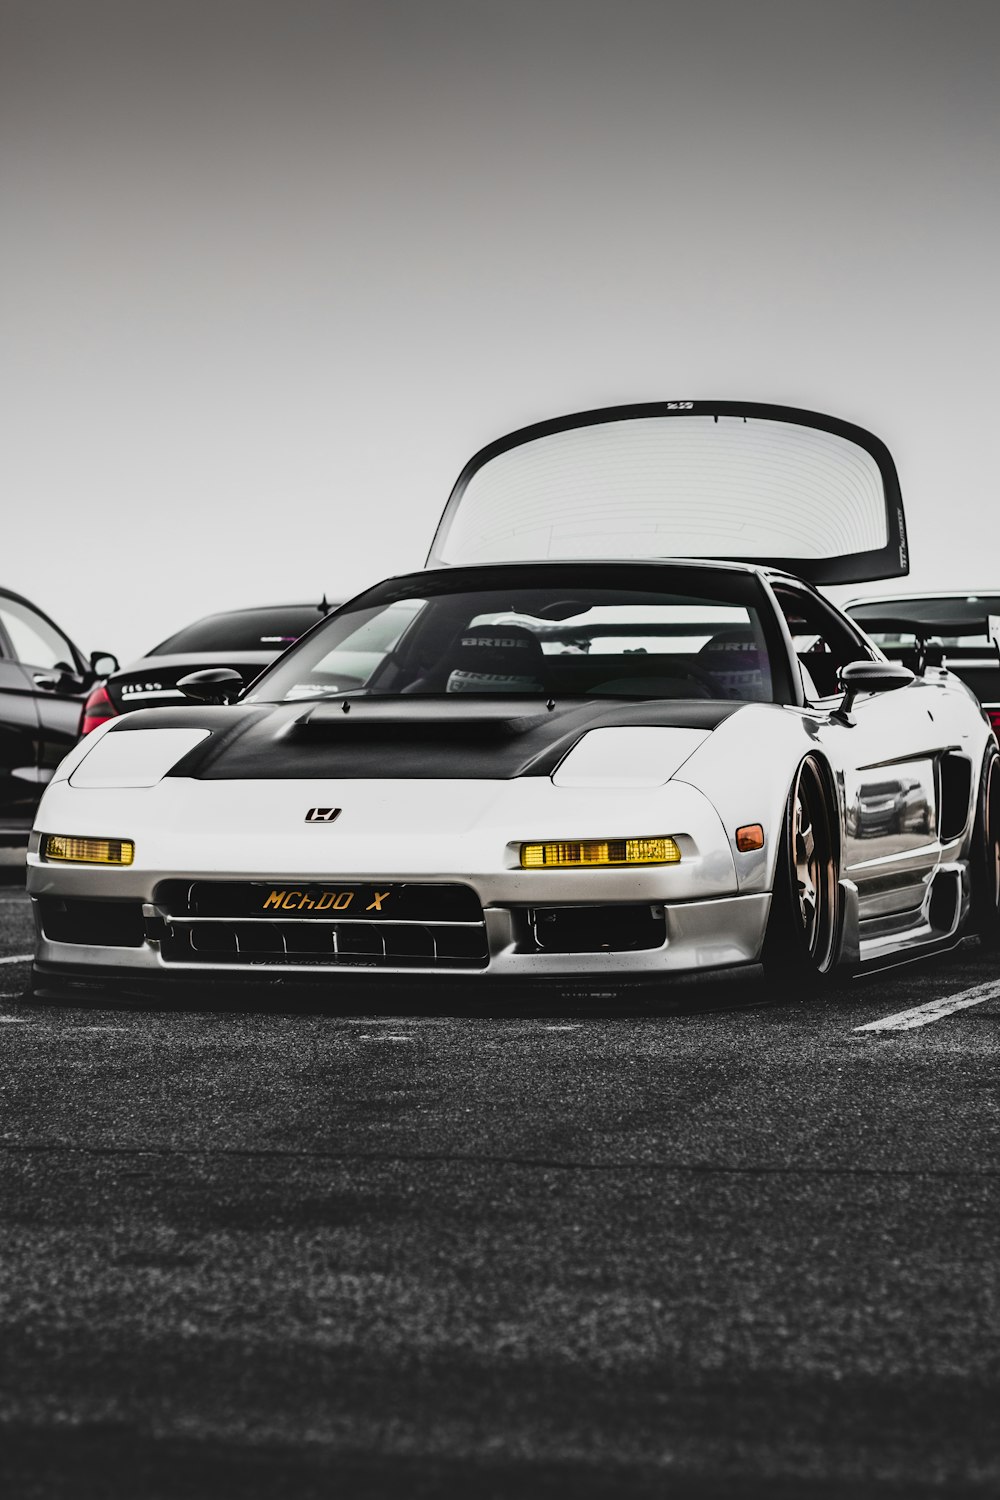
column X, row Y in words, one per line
column 420, row 719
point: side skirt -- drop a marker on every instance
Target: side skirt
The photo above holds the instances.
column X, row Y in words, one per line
column 848, row 942
column 938, row 924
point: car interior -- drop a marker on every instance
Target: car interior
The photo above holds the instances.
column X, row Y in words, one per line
column 822, row 645
column 463, row 647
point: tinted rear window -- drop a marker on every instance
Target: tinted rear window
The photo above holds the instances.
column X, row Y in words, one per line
column 243, row 630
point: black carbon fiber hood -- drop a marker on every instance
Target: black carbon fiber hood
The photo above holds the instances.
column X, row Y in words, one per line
column 418, row 739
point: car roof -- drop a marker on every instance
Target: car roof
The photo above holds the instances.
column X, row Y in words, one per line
column 260, row 609
column 968, row 594
column 6, row 593
column 706, row 564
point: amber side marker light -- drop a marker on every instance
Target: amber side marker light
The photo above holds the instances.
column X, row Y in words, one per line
column 88, row 851
column 749, row 838
column 595, row 852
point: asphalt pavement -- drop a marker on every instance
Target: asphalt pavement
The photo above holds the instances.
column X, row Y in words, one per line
column 727, row 1245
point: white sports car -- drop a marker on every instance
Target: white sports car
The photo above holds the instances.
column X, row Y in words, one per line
column 612, row 733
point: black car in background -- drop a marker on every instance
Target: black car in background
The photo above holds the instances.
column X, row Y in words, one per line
column 952, row 630
column 44, row 682
column 245, row 640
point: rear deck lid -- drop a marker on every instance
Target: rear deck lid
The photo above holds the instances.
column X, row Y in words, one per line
column 727, row 480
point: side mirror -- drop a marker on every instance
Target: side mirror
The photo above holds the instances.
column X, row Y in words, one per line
column 103, row 663
column 213, row 685
column 869, row 677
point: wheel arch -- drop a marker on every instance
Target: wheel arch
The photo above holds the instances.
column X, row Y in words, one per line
column 810, row 934
column 836, row 800
column 767, row 746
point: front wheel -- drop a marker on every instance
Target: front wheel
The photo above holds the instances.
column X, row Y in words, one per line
column 984, row 918
column 800, row 944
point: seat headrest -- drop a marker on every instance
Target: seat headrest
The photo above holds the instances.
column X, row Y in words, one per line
column 734, row 659
column 496, row 659
column 736, row 638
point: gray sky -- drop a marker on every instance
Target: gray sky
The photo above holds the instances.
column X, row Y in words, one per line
column 272, row 271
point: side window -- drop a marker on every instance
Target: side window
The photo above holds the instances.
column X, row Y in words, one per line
column 36, row 643
column 823, row 644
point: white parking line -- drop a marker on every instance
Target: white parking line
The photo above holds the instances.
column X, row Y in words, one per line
column 17, row 958
column 934, row 1010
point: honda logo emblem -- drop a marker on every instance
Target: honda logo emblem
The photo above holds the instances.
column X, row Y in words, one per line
column 322, row 814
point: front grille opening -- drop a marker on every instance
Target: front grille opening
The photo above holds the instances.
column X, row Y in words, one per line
column 463, row 943
column 313, row 943
column 97, row 924
column 231, row 923
column 358, row 942
column 299, row 938
column 409, row 942
column 257, row 937
column 598, row 929
column 214, row 940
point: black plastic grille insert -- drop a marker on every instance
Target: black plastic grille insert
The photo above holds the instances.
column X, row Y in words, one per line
column 308, row 924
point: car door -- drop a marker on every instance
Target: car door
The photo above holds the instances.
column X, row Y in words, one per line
column 887, row 759
column 54, row 674
column 20, row 746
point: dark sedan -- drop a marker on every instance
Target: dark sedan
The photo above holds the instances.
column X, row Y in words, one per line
column 960, row 631
column 245, row 640
column 44, row 680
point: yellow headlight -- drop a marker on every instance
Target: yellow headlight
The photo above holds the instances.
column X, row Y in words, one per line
column 590, row 852
column 88, row 851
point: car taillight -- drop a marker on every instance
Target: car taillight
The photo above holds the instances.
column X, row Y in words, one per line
column 97, row 709
column 994, row 714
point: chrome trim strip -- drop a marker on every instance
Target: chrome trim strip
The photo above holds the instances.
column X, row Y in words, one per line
column 902, row 855
column 319, row 923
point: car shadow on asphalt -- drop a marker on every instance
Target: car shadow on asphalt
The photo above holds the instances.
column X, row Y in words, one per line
column 394, row 996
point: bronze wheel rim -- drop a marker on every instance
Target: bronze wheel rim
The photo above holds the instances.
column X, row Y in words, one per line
column 813, row 874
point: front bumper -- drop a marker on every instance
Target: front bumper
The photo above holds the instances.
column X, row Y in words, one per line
column 708, row 912
column 699, row 936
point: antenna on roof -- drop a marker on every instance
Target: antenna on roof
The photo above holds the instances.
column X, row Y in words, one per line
column 324, row 604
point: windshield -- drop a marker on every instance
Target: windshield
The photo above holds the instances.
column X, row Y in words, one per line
column 565, row 635
column 271, row 629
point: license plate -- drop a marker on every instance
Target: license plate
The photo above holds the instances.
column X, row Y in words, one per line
column 369, row 901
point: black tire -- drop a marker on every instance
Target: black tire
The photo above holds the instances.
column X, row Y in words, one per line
column 800, row 944
column 984, row 917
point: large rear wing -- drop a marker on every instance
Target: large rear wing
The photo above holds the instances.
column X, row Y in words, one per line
column 929, row 634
